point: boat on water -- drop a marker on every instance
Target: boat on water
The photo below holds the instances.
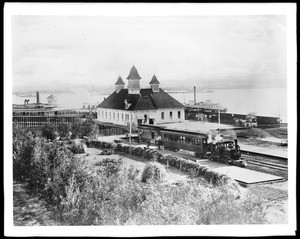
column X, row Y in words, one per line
column 206, row 107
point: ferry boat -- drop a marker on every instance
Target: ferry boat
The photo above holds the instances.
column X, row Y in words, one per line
column 36, row 115
column 206, row 107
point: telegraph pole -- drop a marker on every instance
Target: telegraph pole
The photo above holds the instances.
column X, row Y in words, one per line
column 130, row 134
column 219, row 114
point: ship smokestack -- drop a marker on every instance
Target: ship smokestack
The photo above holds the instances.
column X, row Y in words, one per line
column 195, row 95
column 37, row 97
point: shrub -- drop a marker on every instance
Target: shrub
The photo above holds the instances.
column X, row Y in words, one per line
column 110, row 165
column 107, row 152
column 162, row 159
column 78, row 147
column 153, row 155
column 48, row 131
column 137, row 151
column 112, row 195
column 146, row 153
column 153, row 171
column 89, row 127
column 63, row 129
column 119, row 147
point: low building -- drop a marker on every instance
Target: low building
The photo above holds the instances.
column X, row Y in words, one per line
column 52, row 99
column 139, row 106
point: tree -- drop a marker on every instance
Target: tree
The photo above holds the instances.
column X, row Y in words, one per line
column 48, row 131
column 89, row 127
column 76, row 128
column 63, row 129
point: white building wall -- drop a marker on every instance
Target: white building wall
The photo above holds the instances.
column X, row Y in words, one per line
column 122, row 117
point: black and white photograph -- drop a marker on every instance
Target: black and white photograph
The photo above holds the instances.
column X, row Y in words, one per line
column 150, row 119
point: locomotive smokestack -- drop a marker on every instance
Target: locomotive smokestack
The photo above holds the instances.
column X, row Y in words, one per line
column 37, row 97
column 195, row 95
column 235, row 143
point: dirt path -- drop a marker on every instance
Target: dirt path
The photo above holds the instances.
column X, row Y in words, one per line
column 29, row 210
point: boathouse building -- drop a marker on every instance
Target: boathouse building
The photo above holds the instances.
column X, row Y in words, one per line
column 139, row 106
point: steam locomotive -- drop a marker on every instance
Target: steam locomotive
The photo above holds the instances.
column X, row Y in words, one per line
column 227, row 151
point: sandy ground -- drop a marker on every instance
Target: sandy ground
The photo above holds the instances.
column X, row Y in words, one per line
column 275, row 200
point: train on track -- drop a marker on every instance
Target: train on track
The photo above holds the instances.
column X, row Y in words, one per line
column 225, row 151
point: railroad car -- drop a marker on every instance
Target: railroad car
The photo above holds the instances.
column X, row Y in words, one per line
column 227, row 152
column 176, row 140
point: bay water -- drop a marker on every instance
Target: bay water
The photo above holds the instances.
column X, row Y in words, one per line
column 264, row 102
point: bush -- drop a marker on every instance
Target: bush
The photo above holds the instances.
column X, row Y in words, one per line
column 153, row 155
column 49, row 132
column 154, row 171
column 89, row 127
column 137, row 151
column 63, row 129
column 107, row 152
column 78, row 147
column 112, row 195
column 119, row 147
column 110, row 165
column 190, row 166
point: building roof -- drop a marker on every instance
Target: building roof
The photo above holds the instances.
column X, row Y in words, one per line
column 51, row 96
column 154, row 80
column 133, row 74
column 146, row 100
column 120, row 81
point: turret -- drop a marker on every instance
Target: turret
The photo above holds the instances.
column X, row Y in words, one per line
column 154, row 84
column 133, row 81
column 119, row 84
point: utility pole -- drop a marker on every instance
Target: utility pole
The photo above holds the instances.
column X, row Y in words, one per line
column 130, row 134
column 219, row 114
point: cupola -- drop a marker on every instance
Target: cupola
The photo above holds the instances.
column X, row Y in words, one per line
column 134, row 81
column 154, row 84
column 119, row 84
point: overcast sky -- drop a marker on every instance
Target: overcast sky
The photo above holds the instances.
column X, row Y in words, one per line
column 57, row 51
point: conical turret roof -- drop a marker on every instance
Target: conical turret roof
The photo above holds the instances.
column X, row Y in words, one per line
column 133, row 74
column 154, row 80
column 120, row 81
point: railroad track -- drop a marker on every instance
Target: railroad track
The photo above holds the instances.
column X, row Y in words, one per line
column 261, row 154
column 264, row 162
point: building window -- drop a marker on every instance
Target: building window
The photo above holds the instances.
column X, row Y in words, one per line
column 117, row 116
column 105, row 115
column 113, row 116
column 171, row 115
column 110, row 115
column 179, row 114
column 162, row 115
column 102, row 114
column 122, row 117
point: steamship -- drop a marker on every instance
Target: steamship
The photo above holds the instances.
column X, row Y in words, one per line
column 214, row 112
column 36, row 115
